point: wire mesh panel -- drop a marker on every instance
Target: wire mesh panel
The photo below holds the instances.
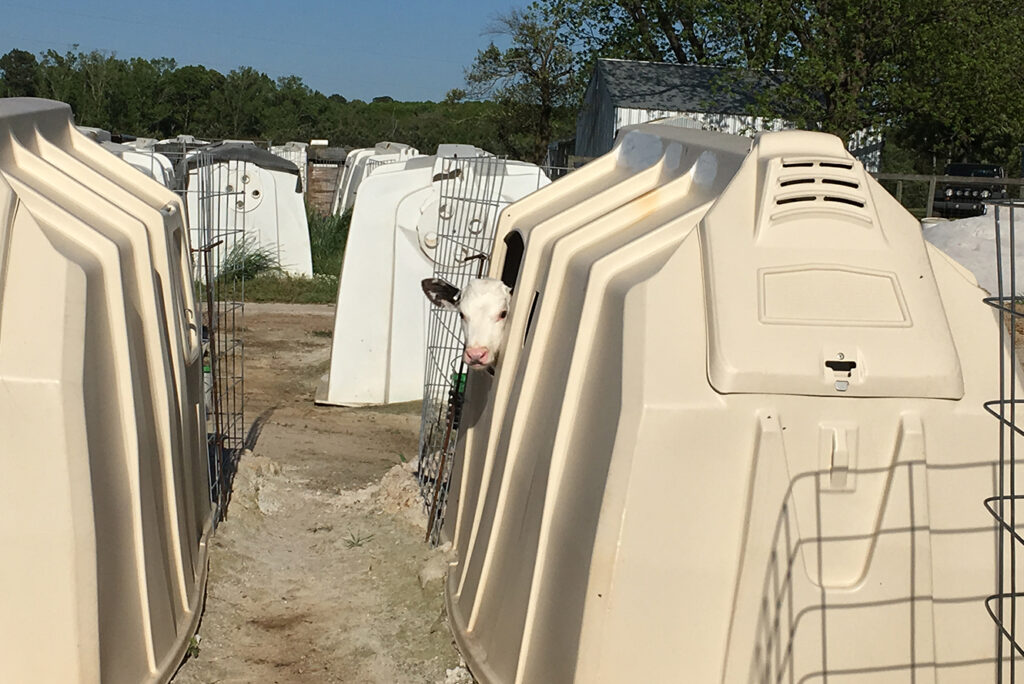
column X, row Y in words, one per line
column 146, row 159
column 800, row 614
column 372, row 164
column 176, row 152
column 468, row 206
column 1004, row 605
column 215, row 191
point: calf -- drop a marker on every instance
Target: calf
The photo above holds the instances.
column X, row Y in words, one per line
column 482, row 306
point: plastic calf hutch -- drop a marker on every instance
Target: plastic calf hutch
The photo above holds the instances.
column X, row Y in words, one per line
column 296, row 153
column 378, row 350
column 360, row 163
column 256, row 197
column 343, row 196
column 736, row 434
column 106, row 484
column 153, row 164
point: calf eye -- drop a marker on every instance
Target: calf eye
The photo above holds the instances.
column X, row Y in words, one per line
column 502, row 315
column 462, row 315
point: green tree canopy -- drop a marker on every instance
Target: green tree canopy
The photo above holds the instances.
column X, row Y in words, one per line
column 531, row 82
column 942, row 75
column 158, row 98
column 19, row 74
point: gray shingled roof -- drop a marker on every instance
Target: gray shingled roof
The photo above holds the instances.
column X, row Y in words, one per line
column 679, row 87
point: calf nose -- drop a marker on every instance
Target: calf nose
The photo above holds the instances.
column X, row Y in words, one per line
column 477, row 355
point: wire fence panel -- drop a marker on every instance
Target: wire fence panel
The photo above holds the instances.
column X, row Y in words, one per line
column 468, row 206
column 217, row 196
column 372, row 164
column 1004, row 605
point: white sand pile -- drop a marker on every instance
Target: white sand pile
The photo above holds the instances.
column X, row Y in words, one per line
column 399, row 494
column 255, row 486
column 458, row 675
column 972, row 243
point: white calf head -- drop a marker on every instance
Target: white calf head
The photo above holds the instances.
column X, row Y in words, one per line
column 483, row 306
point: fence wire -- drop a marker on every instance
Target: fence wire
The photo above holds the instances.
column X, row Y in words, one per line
column 468, row 206
column 373, row 164
column 216, row 194
column 1004, row 605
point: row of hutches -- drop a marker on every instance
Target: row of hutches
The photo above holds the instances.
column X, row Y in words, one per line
column 110, row 488
column 736, row 432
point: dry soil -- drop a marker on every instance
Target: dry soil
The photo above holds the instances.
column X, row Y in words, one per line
column 319, row 572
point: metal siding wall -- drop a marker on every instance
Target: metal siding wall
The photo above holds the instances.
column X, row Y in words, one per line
column 725, row 123
column 865, row 145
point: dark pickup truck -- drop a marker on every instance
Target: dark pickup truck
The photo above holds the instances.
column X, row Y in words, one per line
column 957, row 199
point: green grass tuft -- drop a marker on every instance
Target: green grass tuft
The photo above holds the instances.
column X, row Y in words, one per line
column 246, row 260
column 320, row 289
column 327, row 238
column 266, row 282
column 354, row 541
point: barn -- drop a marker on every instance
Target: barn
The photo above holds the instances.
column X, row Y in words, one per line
column 623, row 93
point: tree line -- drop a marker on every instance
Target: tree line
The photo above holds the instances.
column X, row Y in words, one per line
column 939, row 78
column 160, row 99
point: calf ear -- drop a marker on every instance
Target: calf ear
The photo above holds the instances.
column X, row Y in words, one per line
column 440, row 292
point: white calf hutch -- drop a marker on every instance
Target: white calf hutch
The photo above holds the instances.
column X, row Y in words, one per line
column 736, row 433
column 256, row 199
column 377, row 356
column 153, row 164
column 360, row 163
column 106, row 492
column 345, row 194
column 296, row 153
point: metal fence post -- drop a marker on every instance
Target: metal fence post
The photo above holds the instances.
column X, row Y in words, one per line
column 931, row 196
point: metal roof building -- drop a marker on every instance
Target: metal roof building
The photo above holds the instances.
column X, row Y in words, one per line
column 623, row 93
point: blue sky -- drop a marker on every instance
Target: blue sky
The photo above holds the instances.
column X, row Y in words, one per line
column 408, row 49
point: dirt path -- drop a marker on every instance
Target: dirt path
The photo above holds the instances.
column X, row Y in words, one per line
column 314, row 576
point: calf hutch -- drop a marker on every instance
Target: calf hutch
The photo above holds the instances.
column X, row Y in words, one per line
column 153, row 164
column 378, row 350
column 736, row 433
column 106, row 491
column 297, row 153
column 360, row 163
column 256, row 197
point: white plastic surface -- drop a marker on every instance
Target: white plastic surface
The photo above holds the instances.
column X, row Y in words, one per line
column 378, row 347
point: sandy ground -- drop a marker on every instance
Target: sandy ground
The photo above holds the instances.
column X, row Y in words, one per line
column 320, row 573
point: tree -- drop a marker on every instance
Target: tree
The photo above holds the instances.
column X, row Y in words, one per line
column 100, row 72
column 966, row 103
column 654, row 30
column 19, row 74
column 455, row 95
column 156, row 97
column 141, row 105
column 295, row 111
column 61, row 76
column 841, row 65
column 242, row 102
column 530, row 80
column 190, row 92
